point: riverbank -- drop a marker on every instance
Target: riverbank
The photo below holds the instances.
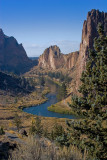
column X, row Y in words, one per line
column 42, row 109
column 10, row 107
column 58, row 108
column 33, row 99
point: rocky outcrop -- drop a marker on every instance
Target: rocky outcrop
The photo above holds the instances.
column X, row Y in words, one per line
column 50, row 58
column 89, row 32
column 76, row 61
column 13, row 57
column 71, row 59
column 53, row 58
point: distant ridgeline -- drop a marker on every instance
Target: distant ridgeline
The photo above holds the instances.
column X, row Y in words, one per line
column 14, row 85
column 34, row 58
column 13, row 57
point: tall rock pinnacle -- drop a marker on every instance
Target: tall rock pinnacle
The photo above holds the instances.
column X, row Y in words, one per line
column 89, row 32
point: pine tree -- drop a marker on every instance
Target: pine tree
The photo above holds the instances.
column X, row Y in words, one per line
column 36, row 127
column 39, row 127
column 94, row 81
column 62, row 92
column 57, row 131
column 17, row 121
column 91, row 133
column 1, row 131
column 42, row 81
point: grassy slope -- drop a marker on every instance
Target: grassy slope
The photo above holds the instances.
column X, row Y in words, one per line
column 62, row 107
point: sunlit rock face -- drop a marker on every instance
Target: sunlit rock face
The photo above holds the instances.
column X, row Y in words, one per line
column 50, row 58
column 89, row 32
column 71, row 59
column 75, row 62
column 53, row 58
column 13, row 57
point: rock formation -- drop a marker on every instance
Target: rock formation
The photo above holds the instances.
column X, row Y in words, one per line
column 50, row 58
column 71, row 59
column 53, row 58
column 13, row 57
column 89, row 32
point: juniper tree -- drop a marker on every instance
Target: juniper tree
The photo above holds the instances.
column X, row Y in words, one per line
column 42, row 81
column 17, row 121
column 36, row 127
column 57, row 131
column 1, row 131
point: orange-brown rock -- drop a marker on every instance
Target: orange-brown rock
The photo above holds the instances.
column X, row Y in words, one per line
column 71, row 59
column 50, row 58
column 53, row 58
column 13, row 57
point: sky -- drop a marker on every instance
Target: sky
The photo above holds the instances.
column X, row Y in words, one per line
column 38, row 24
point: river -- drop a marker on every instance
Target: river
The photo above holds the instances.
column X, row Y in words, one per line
column 41, row 109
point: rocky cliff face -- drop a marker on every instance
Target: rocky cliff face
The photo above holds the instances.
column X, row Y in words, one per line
column 53, row 58
column 71, row 59
column 50, row 58
column 13, row 57
column 89, row 32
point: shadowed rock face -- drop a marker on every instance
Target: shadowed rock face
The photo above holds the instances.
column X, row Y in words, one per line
column 53, row 58
column 14, row 85
column 13, row 57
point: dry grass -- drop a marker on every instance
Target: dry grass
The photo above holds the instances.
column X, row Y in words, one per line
column 37, row 149
column 8, row 112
